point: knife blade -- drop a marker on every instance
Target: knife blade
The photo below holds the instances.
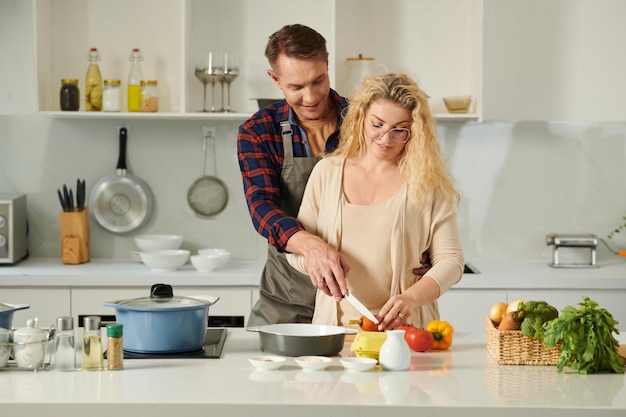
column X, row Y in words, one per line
column 61, row 200
column 360, row 307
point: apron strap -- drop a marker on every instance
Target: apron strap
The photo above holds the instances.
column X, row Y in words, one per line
column 287, row 134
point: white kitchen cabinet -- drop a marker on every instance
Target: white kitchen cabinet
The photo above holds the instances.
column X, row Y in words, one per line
column 45, row 303
column 466, row 309
column 89, row 301
column 438, row 43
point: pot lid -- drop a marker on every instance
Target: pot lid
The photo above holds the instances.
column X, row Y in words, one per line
column 162, row 297
column 12, row 307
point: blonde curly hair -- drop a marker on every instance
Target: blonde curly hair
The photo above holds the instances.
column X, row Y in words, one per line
column 421, row 161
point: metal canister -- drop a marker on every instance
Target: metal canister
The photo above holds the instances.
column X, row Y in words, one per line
column 69, row 95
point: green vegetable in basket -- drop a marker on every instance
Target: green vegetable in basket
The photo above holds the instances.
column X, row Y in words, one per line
column 533, row 315
column 586, row 333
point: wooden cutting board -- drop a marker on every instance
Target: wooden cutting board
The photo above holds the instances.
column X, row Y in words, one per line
column 622, row 351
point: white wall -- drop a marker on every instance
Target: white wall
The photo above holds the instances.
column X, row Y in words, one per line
column 518, row 180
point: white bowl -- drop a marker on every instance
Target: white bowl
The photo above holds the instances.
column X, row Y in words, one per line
column 205, row 263
column 358, row 364
column 313, row 363
column 222, row 253
column 266, row 362
column 156, row 242
column 164, row 260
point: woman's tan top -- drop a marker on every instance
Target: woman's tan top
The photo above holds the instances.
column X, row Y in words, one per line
column 397, row 238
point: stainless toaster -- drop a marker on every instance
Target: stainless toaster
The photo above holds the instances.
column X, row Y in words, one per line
column 13, row 228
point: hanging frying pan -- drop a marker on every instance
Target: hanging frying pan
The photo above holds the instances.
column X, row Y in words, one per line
column 121, row 202
column 208, row 195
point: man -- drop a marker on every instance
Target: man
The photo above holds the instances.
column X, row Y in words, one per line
column 277, row 149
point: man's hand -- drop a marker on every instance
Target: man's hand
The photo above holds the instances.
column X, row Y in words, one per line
column 425, row 265
column 326, row 267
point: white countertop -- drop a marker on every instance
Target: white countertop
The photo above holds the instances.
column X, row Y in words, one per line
column 463, row 381
column 118, row 273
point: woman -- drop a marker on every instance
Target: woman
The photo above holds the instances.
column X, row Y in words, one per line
column 382, row 199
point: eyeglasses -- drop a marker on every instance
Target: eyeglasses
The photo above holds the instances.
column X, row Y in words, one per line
column 396, row 134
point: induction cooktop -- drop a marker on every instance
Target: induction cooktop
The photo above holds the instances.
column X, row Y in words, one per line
column 212, row 349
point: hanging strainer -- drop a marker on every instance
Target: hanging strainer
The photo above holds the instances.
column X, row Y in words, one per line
column 208, row 195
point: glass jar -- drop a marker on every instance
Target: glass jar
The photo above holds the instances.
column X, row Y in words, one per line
column 93, row 82
column 149, row 96
column 92, row 355
column 64, row 354
column 111, row 96
column 115, row 351
column 69, row 95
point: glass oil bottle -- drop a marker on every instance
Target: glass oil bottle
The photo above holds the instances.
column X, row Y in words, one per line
column 92, row 358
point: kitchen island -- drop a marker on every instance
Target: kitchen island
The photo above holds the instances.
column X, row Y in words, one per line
column 463, row 381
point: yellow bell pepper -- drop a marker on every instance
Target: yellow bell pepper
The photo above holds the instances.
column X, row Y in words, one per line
column 442, row 334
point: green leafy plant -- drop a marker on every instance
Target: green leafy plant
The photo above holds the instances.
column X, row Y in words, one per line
column 618, row 229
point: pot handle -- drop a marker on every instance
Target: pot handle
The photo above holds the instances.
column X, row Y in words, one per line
column 161, row 291
column 209, row 299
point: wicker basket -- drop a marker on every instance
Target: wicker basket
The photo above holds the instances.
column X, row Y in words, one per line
column 511, row 347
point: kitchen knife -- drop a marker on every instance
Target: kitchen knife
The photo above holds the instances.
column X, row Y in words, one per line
column 61, row 200
column 360, row 307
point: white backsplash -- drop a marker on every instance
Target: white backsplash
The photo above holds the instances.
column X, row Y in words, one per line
column 518, row 181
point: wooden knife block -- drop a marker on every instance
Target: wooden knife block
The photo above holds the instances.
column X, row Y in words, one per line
column 75, row 241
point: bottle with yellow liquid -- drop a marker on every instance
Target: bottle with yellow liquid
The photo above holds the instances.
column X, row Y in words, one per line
column 93, row 82
column 134, row 80
column 92, row 358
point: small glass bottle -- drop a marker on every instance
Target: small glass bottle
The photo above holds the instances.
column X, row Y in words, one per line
column 149, row 96
column 64, row 353
column 93, row 82
column 70, row 95
column 134, row 80
column 115, row 350
column 92, row 357
column 111, row 96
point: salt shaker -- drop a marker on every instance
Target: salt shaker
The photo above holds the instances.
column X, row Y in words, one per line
column 64, row 354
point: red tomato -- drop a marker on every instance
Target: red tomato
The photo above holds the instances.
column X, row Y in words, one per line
column 418, row 340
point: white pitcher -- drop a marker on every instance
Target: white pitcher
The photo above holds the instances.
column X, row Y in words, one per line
column 358, row 68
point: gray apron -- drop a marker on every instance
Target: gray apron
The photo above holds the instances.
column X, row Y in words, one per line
column 286, row 295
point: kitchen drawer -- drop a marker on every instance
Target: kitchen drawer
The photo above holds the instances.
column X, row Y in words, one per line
column 235, row 302
column 45, row 303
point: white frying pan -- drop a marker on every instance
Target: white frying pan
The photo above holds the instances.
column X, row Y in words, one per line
column 121, row 202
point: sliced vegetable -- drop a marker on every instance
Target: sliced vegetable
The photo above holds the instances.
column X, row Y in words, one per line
column 365, row 324
column 442, row 334
column 586, row 337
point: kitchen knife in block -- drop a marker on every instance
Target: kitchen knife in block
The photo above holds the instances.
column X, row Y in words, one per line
column 75, row 241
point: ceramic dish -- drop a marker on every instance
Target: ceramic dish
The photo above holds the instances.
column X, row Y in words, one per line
column 313, row 363
column 266, row 362
column 358, row 364
column 164, row 260
column 157, row 242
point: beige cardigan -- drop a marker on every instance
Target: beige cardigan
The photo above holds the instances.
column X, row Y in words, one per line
column 415, row 230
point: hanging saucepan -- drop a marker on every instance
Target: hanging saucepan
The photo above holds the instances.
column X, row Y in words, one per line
column 121, row 202
column 162, row 322
column 302, row 339
column 208, row 195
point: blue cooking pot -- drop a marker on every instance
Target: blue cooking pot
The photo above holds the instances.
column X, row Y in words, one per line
column 163, row 323
column 6, row 313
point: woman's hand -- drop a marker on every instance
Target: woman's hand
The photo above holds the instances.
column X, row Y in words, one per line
column 395, row 312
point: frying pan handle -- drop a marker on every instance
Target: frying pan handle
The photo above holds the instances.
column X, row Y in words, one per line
column 121, row 160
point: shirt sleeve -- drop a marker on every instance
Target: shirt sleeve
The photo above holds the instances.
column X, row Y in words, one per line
column 260, row 157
